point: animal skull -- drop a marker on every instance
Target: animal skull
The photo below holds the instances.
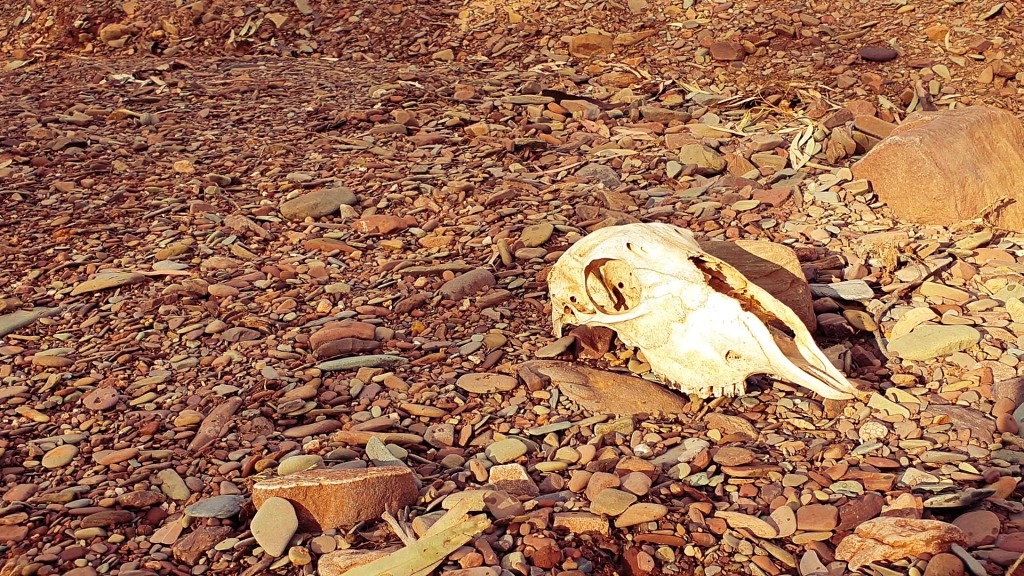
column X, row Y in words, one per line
column 702, row 326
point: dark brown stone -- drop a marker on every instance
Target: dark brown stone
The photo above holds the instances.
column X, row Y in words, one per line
column 854, row 512
column 878, row 53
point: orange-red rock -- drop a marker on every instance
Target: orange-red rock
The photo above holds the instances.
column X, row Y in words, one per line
column 343, row 329
column 588, row 45
column 380, row 224
column 817, row 517
column 890, row 539
column 327, row 498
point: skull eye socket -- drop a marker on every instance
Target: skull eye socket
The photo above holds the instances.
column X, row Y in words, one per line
column 612, row 286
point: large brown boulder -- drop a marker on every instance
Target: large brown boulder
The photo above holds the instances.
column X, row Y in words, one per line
column 952, row 165
column 330, row 498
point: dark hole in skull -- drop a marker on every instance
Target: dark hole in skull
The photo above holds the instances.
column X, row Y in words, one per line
column 611, row 286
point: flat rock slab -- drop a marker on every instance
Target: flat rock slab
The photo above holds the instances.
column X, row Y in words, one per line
column 607, row 392
column 328, row 498
column 317, row 204
column 224, row 506
column 486, row 383
column 890, row 539
column 947, row 166
column 21, row 318
column 933, row 340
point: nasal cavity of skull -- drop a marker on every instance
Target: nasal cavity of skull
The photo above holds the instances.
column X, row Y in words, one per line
column 611, row 286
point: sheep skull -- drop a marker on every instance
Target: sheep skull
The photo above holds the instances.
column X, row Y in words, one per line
column 702, row 326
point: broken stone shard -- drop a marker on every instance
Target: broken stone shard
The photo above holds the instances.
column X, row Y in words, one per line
column 890, row 539
column 703, row 327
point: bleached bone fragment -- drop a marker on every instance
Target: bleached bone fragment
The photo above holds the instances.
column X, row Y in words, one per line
column 702, row 326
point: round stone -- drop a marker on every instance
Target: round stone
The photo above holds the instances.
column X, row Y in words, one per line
column 504, row 451
column 323, row 544
column 100, row 399
column 299, row 556
column 536, row 234
column 60, row 456
column 981, row 527
column 299, row 463
column 944, row 564
column 1006, row 424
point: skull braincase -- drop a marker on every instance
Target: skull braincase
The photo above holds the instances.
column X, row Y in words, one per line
column 702, row 326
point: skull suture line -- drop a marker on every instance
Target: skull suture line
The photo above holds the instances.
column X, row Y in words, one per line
column 702, row 326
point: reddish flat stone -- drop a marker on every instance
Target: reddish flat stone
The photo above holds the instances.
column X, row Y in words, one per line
column 981, row 527
column 728, row 51
column 817, row 517
column 13, row 533
column 338, row 330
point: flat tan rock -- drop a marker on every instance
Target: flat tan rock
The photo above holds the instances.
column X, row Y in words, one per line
column 890, row 539
column 325, row 499
column 947, row 166
column 581, row 522
column 607, row 392
column 486, row 383
column 755, row 525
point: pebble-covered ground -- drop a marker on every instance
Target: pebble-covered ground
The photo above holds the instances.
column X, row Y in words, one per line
column 247, row 244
